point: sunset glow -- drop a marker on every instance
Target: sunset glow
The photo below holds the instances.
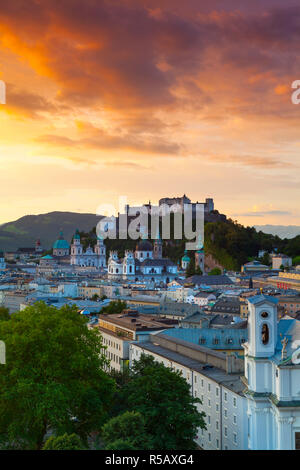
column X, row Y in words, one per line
column 150, row 99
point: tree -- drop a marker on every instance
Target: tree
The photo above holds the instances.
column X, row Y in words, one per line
column 190, row 270
column 266, row 259
column 129, row 427
column 95, row 297
column 296, row 260
column 163, row 398
column 120, row 444
column 116, row 306
column 215, row 272
column 198, row 271
column 53, row 378
column 64, row 442
column 4, row 314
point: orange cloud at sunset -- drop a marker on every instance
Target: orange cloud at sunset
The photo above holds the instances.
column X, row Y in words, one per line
column 149, row 99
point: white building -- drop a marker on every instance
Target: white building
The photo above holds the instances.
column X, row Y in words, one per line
column 2, row 261
column 145, row 263
column 281, row 260
column 272, row 370
column 89, row 258
column 259, row 410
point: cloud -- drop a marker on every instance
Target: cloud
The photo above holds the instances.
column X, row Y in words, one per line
column 26, row 103
column 250, row 160
column 105, row 141
column 263, row 213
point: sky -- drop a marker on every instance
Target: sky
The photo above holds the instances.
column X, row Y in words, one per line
column 148, row 99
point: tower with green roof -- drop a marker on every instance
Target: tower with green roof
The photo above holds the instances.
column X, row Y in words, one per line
column 185, row 260
column 61, row 247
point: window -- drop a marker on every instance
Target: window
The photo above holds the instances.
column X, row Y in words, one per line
column 225, row 396
column 234, row 419
column 225, row 412
column 235, row 437
column 217, row 391
column 297, row 440
column 217, row 443
column 265, row 334
column 209, row 403
column 225, row 431
column 209, row 437
column 217, row 425
column 208, row 387
column 234, row 402
column 217, row 407
column 202, row 383
column 208, row 419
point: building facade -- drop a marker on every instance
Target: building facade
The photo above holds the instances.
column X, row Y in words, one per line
column 88, row 258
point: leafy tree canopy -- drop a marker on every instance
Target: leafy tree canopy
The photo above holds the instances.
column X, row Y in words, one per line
column 64, row 442
column 162, row 396
column 129, row 427
column 215, row 272
column 4, row 314
column 53, row 378
column 115, row 306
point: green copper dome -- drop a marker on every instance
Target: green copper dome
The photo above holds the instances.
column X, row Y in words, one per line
column 77, row 236
column 186, row 257
column 61, row 243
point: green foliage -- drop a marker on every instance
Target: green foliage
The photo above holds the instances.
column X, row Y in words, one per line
column 53, row 377
column 191, row 270
column 95, row 297
column 129, row 427
column 162, row 396
column 266, row 259
column 215, row 272
column 4, row 314
column 296, row 260
column 64, row 442
column 198, row 271
column 115, row 306
column 121, row 444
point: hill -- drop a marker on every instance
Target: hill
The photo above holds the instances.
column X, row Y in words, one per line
column 24, row 231
column 282, row 231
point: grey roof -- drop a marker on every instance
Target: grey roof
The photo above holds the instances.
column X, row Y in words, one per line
column 222, row 279
column 231, row 381
column 227, row 305
column 211, row 338
column 178, row 308
column 157, row 262
column 262, row 298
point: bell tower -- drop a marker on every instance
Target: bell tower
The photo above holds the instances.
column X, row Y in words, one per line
column 262, row 326
column 157, row 247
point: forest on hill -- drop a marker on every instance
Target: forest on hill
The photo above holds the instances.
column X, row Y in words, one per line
column 230, row 243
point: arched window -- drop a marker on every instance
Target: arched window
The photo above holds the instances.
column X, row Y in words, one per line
column 265, row 334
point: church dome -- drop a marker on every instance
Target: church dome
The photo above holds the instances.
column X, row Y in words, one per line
column 61, row 243
column 186, row 257
column 144, row 245
column 77, row 236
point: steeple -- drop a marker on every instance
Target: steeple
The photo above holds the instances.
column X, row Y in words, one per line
column 157, row 247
